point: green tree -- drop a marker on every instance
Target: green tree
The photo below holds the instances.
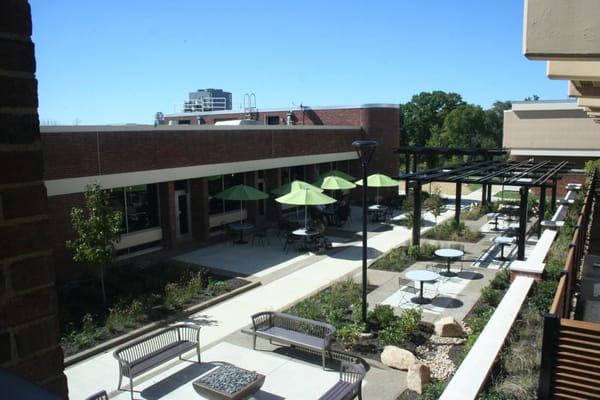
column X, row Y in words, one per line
column 424, row 113
column 495, row 120
column 97, row 228
column 465, row 126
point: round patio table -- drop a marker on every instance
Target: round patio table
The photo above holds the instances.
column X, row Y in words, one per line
column 503, row 241
column 241, row 226
column 493, row 220
column 449, row 255
column 377, row 211
column 305, row 234
column 421, row 276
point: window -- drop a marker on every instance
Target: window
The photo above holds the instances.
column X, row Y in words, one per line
column 324, row 168
column 297, row 173
column 285, row 175
column 219, row 183
column 273, row 120
column 184, row 122
column 343, row 166
column 138, row 206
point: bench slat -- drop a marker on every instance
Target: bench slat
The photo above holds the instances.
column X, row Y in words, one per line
column 158, row 357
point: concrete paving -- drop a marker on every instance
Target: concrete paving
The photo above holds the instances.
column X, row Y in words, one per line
column 224, row 319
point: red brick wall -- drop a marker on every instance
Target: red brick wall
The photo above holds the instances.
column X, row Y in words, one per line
column 28, row 305
column 75, row 154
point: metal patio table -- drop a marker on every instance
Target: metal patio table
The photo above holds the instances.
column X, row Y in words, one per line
column 241, row 227
column 503, row 241
column 449, row 255
column 422, row 276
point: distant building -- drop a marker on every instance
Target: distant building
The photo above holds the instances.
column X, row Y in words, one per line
column 208, row 100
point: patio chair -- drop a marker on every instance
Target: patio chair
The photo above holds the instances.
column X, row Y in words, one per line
column 101, row 395
column 409, row 291
column 290, row 240
column 259, row 236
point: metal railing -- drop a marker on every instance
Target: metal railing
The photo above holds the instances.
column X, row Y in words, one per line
column 557, row 322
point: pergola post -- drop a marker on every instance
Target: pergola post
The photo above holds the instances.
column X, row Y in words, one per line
column 416, row 230
column 489, row 193
column 407, row 170
column 523, row 191
column 553, row 205
column 457, row 203
column 415, row 162
column 483, row 194
column 542, row 209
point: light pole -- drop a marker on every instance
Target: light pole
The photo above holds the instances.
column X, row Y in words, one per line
column 365, row 150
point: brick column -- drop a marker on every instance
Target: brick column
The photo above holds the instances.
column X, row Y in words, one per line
column 252, row 206
column 166, row 193
column 199, row 208
column 29, row 331
column 272, row 181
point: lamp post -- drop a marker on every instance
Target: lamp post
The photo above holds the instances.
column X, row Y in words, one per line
column 365, row 150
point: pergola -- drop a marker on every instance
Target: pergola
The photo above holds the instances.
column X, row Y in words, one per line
column 487, row 172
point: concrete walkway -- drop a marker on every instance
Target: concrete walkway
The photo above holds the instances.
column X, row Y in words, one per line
column 101, row 372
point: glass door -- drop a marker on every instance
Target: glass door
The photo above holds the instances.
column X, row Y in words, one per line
column 182, row 214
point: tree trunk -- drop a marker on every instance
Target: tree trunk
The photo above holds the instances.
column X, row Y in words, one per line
column 102, row 284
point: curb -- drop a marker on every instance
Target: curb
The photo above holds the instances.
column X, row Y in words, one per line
column 85, row 354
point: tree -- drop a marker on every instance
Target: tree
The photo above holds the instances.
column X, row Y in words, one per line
column 98, row 230
column 424, row 113
column 535, row 97
column 495, row 120
column 435, row 203
column 465, row 126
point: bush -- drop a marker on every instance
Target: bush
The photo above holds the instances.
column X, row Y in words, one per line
column 502, row 280
column 543, row 295
column 434, row 390
column 428, row 251
column 88, row 335
column 451, row 231
column 400, row 330
column 215, row 287
column 383, row 315
column 309, row 308
column 349, row 335
column 414, row 252
column 491, row 296
column 122, row 317
column 396, row 260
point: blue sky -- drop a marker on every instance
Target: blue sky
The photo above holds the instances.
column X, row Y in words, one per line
column 102, row 62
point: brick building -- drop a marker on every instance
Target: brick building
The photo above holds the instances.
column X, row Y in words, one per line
column 164, row 178
column 28, row 306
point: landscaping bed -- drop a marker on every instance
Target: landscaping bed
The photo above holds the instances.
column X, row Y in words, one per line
column 450, row 231
column 400, row 258
column 136, row 296
column 340, row 305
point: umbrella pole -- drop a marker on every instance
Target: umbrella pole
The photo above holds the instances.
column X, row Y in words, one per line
column 305, row 215
column 241, row 213
column 377, row 199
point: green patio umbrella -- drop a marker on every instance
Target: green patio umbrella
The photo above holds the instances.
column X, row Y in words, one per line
column 241, row 193
column 377, row 181
column 294, row 185
column 334, row 172
column 336, row 183
column 305, row 197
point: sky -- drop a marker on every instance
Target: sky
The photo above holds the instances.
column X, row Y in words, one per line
column 115, row 61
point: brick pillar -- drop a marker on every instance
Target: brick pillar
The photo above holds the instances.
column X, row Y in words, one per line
column 272, row 181
column 29, row 331
column 252, row 206
column 166, row 192
column 199, row 208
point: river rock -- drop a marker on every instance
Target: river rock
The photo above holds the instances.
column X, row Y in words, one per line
column 448, row 326
column 398, row 358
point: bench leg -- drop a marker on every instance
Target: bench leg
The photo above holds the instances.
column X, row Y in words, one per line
column 131, row 386
column 323, row 358
column 198, row 353
column 254, row 343
column 120, row 379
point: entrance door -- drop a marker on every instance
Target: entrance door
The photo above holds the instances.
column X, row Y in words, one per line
column 182, row 214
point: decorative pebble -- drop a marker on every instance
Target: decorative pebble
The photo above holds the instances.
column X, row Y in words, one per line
column 229, row 379
column 435, row 354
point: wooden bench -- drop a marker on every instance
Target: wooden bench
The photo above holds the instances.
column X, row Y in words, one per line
column 293, row 330
column 349, row 385
column 143, row 354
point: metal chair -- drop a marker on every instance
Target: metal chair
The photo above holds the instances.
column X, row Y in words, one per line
column 101, row 395
column 290, row 240
column 409, row 291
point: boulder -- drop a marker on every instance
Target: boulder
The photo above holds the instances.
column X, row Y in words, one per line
column 418, row 376
column 448, row 327
column 398, row 358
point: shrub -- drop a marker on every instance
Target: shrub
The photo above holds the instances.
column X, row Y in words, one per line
column 383, row 315
column 491, row 296
column 349, row 335
column 428, row 251
column 308, row 308
column 502, row 280
column 88, row 335
column 122, row 317
column 175, row 295
column 543, row 294
column 433, row 390
column 414, row 252
column 215, row 287
column 400, row 330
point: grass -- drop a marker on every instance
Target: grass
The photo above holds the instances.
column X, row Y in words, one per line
column 508, row 195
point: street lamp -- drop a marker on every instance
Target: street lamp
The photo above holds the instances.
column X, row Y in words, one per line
column 365, row 150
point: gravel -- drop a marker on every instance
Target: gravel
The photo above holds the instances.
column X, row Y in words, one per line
column 229, row 379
